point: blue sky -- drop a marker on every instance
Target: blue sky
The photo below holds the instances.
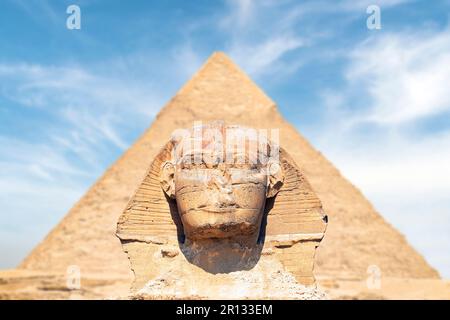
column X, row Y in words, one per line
column 375, row 102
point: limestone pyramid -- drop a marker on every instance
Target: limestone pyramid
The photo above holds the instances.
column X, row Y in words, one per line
column 357, row 235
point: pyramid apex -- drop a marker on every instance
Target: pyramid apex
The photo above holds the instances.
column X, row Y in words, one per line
column 220, row 81
column 219, row 56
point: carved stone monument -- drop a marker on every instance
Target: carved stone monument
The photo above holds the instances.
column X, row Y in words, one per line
column 222, row 212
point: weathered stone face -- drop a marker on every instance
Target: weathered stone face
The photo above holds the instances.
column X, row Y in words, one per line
column 220, row 203
column 218, row 198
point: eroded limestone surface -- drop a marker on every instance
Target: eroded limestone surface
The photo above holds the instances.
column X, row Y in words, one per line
column 210, row 221
column 267, row 280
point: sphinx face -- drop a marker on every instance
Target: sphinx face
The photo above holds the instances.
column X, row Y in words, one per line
column 221, row 181
column 220, row 202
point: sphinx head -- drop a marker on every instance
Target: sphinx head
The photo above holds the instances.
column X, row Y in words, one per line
column 221, row 177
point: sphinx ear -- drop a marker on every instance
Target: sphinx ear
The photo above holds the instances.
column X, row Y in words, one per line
column 275, row 178
column 167, row 179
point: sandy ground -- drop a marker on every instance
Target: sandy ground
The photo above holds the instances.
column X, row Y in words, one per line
column 37, row 285
column 389, row 288
column 24, row 284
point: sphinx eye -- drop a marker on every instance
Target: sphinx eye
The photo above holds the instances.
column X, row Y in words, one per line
column 186, row 165
column 201, row 165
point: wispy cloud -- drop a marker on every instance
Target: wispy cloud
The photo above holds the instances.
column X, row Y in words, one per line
column 44, row 85
column 392, row 82
column 258, row 43
column 242, row 12
column 404, row 75
column 407, row 179
column 349, row 5
column 264, row 57
column 39, row 11
column 267, row 37
column 38, row 184
column 86, row 118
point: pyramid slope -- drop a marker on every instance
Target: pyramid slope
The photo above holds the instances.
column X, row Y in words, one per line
column 357, row 235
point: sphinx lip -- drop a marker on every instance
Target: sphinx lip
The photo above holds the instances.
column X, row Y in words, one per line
column 218, row 210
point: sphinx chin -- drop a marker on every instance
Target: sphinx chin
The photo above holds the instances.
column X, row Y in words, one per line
column 221, row 223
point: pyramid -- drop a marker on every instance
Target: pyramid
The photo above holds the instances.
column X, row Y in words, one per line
column 357, row 236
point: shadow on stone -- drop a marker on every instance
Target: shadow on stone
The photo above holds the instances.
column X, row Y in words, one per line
column 222, row 255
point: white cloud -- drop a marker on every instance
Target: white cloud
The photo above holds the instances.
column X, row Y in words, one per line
column 32, row 203
column 84, row 117
column 371, row 134
column 91, row 108
column 187, row 61
column 264, row 57
column 405, row 76
column 42, row 159
column 36, row 85
column 417, row 166
column 351, row 5
column 261, row 35
column 408, row 181
column 38, row 184
column 241, row 14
